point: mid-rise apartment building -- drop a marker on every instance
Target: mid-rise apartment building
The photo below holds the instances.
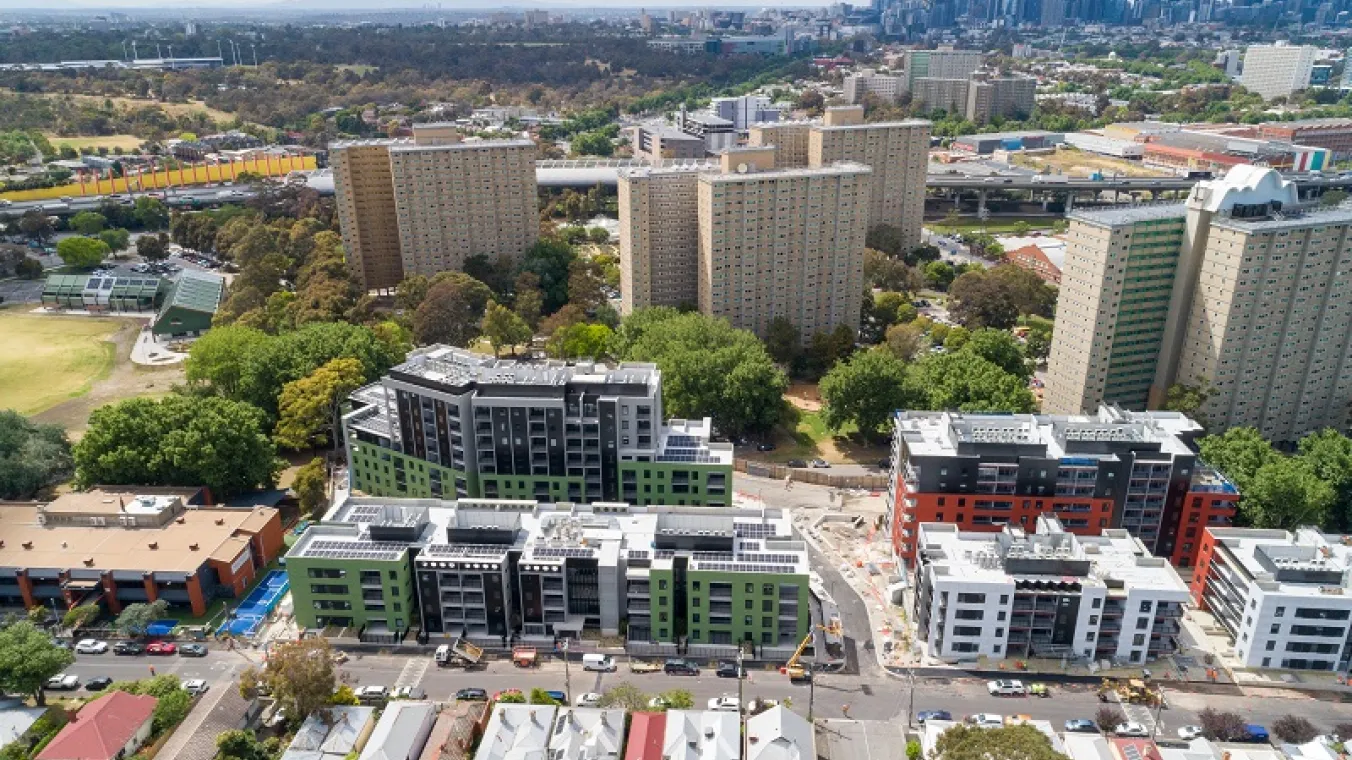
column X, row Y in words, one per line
column 940, row 64
column 789, row 138
column 1334, row 134
column 897, row 153
column 494, row 569
column 1047, row 593
column 1116, row 469
column 1239, row 288
column 451, row 423
column 934, row 94
column 660, row 143
column 717, row 132
column 424, row 204
column 1278, row 69
column 1285, row 599
column 999, row 97
column 659, row 237
column 744, row 110
column 782, row 242
column 884, row 87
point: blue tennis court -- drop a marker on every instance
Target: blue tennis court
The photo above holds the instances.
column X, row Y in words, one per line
column 245, row 619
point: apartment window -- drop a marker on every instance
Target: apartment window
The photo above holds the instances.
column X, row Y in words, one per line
column 750, row 604
column 694, row 586
column 1004, row 599
column 1145, row 606
column 662, row 585
column 1276, row 628
column 1271, row 645
column 1280, row 612
column 1138, row 639
column 1089, row 636
column 1097, row 603
column 746, row 621
column 1093, row 619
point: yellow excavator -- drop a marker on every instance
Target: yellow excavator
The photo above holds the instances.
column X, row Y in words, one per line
column 794, row 669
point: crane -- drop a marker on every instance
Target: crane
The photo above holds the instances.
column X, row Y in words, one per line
column 793, row 668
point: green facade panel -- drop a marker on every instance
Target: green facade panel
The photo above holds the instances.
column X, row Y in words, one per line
column 352, row 592
column 732, row 608
column 383, row 472
column 678, row 483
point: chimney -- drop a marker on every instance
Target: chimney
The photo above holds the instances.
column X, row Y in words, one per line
column 154, row 545
column 28, row 544
column 88, row 561
column 192, row 547
column 220, row 521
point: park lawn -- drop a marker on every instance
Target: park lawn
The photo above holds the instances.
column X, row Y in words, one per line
column 804, row 435
column 127, row 143
column 49, row 359
column 1001, row 226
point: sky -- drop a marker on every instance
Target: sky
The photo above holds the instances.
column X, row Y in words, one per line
column 185, row 8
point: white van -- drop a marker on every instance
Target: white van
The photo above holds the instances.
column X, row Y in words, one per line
column 601, row 662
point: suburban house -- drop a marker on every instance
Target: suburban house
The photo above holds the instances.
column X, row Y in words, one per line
column 111, row 727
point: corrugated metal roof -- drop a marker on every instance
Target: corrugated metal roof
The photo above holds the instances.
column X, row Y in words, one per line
column 195, row 291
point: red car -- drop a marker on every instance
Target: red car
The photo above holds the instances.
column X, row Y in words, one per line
column 161, row 647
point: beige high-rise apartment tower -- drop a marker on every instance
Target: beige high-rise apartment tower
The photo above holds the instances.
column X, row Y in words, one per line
column 424, row 205
column 659, row 237
column 364, row 195
column 1241, row 289
column 782, row 242
column 896, row 151
column 790, row 139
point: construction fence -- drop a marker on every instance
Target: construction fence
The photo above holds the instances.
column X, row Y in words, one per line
column 813, row 476
column 136, row 180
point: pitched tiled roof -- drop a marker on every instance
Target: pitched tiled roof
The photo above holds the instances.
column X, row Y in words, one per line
column 646, row 733
column 101, row 728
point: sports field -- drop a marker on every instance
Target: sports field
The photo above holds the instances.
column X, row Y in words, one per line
column 127, row 143
column 45, row 360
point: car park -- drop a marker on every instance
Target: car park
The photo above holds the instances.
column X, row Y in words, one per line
column 590, row 699
column 1081, row 726
column 62, row 682
column 192, row 650
column 161, row 647
column 1188, row 733
column 196, row 686
column 1006, row 688
column 98, row 683
column 725, row 703
column 925, row 715
column 1131, row 728
column 471, row 695
column 91, row 646
column 128, row 648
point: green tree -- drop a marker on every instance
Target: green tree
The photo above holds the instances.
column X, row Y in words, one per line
column 32, row 456
column 976, row 300
column 586, row 284
column 678, row 699
column 217, row 359
column 888, row 273
column 81, row 616
column 592, row 144
column 1328, row 454
column 307, row 407
column 82, row 252
column 864, row 390
column 269, row 365
column 598, row 235
column 905, row 340
column 966, row 382
column 497, row 275
column 502, row 327
column 1021, row 228
column 136, row 617
column 1189, row 399
column 299, row 674
column 153, row 247
column 35, row 225
column 345, row 696
column 539, row 696
column 180, row 441
column 529, row 299
column 37, row 614
column 625, row 696
column 452, row 310
column 1238, row 453
column 117, row 239
column 550, row 259
column 1294, row 729
column 311, row 487
column 512, row 697
column 28, row 268
column 170, row 711
column 1333, row 197
column 239, row 744
column 824, row 349
column 708, row 368
column 783, row 341
column 580, row 340
column 999, row 348
column 1285, row 493
column 28, row 657
column 151, row 213
column 956, row 338
column 939, row 275
column 965, row 742
column 88, row 223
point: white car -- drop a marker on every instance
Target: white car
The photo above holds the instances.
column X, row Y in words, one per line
column 91, row 646
column 658, row 703
column 373, row 693
column 987, row 720
column 725, row 703
column 195, row 686
column 62, row 682
column 1131, row 728
column 1188, row 733
column 590, row 699
column 1006, row 688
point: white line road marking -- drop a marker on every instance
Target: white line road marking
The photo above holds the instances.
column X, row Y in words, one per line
column 413, row 672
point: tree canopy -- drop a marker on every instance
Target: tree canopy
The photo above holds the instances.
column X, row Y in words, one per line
column 968, row 382
column 864, row 390
column 82, row 252
column 32, row 456
column 452, row 310
column 307, row 406
column 28, row 657
column 964, row 742
column 300, row 675
column 708, row 368
column 1311, row 487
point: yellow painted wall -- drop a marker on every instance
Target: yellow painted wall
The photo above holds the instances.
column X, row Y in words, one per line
column 198, row 174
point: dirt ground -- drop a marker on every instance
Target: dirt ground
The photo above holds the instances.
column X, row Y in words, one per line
column 125, row 381
column 1080, row 163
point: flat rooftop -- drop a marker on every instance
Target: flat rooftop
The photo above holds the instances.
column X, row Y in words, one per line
column 951, row 433
column 181, row 545
column 1121, row 215
column 838, row 169
column 1304, row 563
column 1301, row 218
column 456, row 366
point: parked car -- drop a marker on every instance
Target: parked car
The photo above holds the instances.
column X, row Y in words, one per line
column 408, row 692
column 987, row 720
column 91, row 646
column 1006, row 688
column 1255, row 733
column 161, row 647
column 63, row 682
column 373, row 694
column 925, row 715
column 98, row 683
column 727, row 669
column 795, row 463
column 196, row 686
column 471, row 695
column 192, row 650
column 557, row 696
column 1131, row 728
column 590, row 699
column 658, row 703
column 1082, row 726
column 680, row 668
column 765, row 447
column 128, row 648
column 1188, row 733
column 601, row 663
column 819, row 464
column 885, row 464
column 725, row 703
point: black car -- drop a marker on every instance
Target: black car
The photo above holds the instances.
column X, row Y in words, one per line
column 925, row 715
column 885, row 464
column 730, row 670
column 680, row 668
column 795, row 463
column 128, row 648
column 765, row 447
column 192, row 650
column 471, row 695
column 98, row 684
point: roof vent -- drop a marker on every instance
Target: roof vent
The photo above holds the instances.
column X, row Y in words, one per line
column 28, row 544
column 220, row 521
column 192, row 547
column 180, row 520
column 88, row 561
column 154, row 545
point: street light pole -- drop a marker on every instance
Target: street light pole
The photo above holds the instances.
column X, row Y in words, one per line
column 910, row 707
column 1159, row 708
column 567, row 675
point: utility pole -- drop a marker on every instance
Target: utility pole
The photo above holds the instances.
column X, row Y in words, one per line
column 910, row 707
column 1159, row 708
column 158, row 54
column 567, row 675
